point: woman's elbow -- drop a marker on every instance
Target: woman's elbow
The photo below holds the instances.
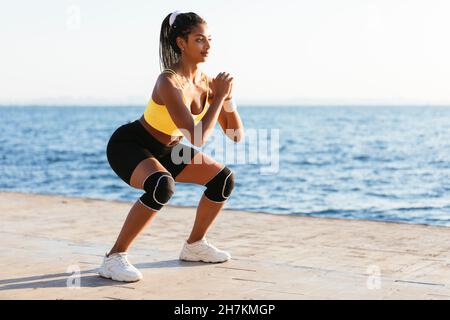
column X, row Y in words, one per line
column 236, row 135
column 197, row 144
column 197, row 138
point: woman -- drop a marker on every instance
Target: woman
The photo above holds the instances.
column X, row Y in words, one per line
column 146, row 153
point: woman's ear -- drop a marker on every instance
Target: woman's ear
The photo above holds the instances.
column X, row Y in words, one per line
column 180, row 43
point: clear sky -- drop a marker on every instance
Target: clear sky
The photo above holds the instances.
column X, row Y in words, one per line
column 280, row 52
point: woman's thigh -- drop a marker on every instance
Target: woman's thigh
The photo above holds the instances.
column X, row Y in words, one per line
column 200, row 171
column 132, row 162
column 143, row 170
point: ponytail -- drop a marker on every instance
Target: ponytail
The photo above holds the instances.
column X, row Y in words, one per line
column 169, row 52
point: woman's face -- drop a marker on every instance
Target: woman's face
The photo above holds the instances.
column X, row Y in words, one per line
column 199, row 43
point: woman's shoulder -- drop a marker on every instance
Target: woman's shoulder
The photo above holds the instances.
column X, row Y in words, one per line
column 168, row 77
column 167, row 74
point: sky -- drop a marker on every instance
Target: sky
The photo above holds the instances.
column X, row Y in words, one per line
column 282, row 52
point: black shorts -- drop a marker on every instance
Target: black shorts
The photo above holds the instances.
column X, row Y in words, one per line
column 131, row 143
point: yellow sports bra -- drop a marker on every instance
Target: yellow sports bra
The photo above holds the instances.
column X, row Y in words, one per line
column 159, row 118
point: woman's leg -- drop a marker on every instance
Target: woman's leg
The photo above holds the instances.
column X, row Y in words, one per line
column 139, row 215
column 207, row 212
column 200, row 171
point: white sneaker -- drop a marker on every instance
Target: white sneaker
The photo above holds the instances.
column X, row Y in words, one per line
column 117, row 267
column 203, row 251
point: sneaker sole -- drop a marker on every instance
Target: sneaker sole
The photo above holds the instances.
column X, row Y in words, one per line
column 202, row 260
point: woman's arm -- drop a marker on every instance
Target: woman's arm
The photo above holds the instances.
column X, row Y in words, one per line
column 172, row 98
column 231, row 124
column 208, row 122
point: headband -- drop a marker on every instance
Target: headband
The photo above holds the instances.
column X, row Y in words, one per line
column 173, row 16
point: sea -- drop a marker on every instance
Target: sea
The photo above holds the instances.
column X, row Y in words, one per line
column 383, row 163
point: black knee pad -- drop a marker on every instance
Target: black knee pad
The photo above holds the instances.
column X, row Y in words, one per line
column 219, row 188
column 159, row 188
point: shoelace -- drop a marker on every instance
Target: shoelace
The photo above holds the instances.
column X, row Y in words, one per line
column 208, row 247
column 212, row 246
column 123, row 260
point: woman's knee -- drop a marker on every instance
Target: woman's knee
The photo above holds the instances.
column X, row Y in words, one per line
column 219, row 188
column 159, row 188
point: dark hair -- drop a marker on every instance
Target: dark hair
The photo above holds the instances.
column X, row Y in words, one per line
column 169, row 52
